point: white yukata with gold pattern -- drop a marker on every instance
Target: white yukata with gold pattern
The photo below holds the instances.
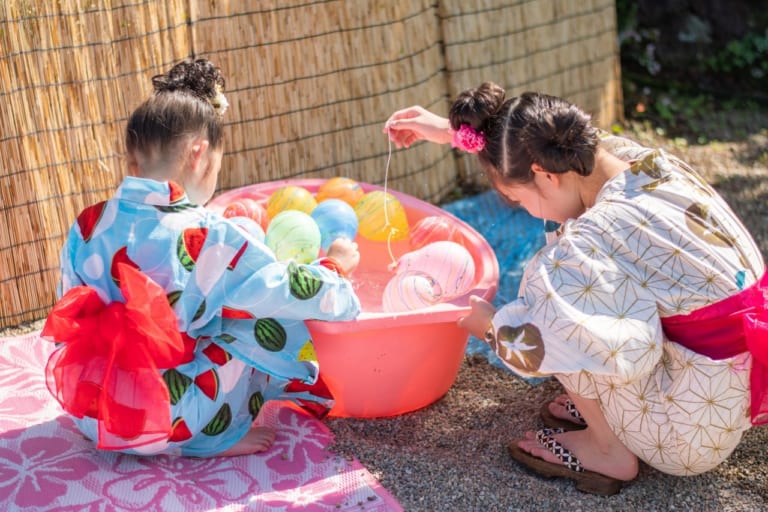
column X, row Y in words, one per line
column 658, row 242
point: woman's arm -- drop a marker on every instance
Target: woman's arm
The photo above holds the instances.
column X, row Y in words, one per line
column 415, row 123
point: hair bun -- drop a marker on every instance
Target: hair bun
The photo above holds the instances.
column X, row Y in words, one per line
column 558, row 135
column 196, row 77
column 475, row 106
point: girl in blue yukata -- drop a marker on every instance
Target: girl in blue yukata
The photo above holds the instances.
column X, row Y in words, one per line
column 648, row 302
column 174, row 324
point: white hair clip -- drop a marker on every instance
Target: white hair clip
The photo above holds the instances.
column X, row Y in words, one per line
column 219, row 102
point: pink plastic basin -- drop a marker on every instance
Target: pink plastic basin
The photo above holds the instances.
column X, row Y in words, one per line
column 385, row 364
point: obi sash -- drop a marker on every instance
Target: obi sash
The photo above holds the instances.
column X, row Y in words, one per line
column 106, row 366
column 729, row 327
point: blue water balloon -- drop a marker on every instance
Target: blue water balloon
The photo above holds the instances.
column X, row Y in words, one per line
column 336, row 219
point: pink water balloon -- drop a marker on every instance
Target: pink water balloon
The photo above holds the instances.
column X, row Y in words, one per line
column 434, row 228
column 449, row 264
column 409, row 291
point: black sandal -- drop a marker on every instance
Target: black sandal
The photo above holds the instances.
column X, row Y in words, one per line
column 552, row 421
column 571, row 468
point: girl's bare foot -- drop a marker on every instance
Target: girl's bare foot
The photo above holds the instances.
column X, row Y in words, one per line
column 558, row 408
column 258, row 439
column 612, row 459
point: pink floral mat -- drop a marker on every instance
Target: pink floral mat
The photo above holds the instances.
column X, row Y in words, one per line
column 46, row 465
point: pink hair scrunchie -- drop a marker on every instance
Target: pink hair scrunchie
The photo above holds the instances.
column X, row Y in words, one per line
column 468, row 139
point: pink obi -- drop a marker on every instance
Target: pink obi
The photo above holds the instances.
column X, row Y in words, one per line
column 727, row 328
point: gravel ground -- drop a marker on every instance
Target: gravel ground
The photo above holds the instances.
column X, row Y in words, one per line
column 451, row 455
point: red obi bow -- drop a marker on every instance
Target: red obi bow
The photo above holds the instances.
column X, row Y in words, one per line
column 107, row 367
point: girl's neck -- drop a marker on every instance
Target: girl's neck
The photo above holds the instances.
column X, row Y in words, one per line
column 607, row 166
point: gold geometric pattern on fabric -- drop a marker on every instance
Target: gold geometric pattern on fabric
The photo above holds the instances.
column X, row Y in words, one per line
column 657, row 242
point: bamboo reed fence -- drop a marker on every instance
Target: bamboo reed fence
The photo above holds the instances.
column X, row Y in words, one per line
column 310, row 83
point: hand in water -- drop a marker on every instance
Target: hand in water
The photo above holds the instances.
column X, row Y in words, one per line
column 345, row 253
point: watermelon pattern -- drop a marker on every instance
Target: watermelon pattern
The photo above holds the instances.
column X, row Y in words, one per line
column 189, row 245
column 175, row 208
column 255, row 403
column 304, row 284
column 233, row 264
column 179, row 431
column 177, row 384
column 208, row 382
column 176, row 193
column 173, row 297
column 270, row 335
column 120, row 256
column 220, row 421
column 190, row 345
column 89, row 219
column 200, row 311
column 217, row 355
column 239, row 314
column 226, row 338
column 163, row 231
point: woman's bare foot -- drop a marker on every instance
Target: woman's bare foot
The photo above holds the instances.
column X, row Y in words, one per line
column 557, row 407
column 609, row 459
column 258, row 439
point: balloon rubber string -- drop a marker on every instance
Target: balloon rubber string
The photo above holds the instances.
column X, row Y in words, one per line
column 389, row 247
column 386, row 179
column 390, row 233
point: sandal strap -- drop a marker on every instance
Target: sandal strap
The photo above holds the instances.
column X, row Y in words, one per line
column 573, row 411
column 546, row 439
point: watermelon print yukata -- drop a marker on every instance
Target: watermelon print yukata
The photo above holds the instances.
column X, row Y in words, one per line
column 238, row 313
column 658, row 243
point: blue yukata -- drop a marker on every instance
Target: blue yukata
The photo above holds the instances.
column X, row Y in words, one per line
column 240, row 311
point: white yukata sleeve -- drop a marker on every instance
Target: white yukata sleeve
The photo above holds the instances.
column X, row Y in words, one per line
column 579, row 312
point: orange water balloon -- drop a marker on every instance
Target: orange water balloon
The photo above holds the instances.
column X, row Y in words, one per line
column 346, row 189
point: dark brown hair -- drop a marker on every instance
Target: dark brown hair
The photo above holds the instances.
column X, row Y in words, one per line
column 530, row 128
column 181, row 105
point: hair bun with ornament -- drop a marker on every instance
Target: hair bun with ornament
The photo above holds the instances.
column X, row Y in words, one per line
column 198, row 77
column 470, row 113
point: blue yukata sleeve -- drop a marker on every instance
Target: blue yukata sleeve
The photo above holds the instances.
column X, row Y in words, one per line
column 254, row 306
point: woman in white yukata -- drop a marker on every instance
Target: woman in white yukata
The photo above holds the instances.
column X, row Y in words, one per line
column 648, row 306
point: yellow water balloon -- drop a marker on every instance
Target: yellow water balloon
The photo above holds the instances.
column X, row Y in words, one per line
column 381, row 217
column 290, row 197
